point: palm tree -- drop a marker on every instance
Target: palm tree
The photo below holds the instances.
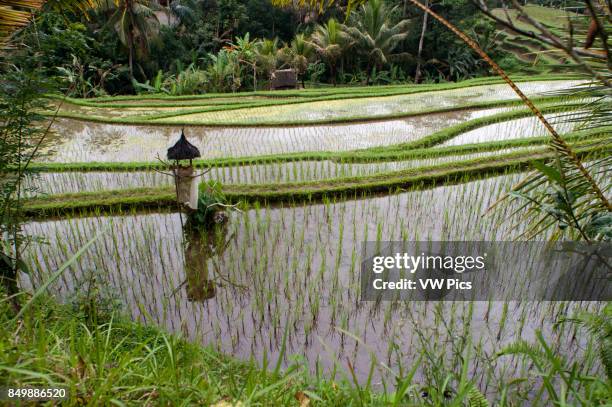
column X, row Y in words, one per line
column 376, row 37
column 299, row 54
column 267, row 54
column 417, row 72
column 186, row 11
column 135, row 23
column 330, row 41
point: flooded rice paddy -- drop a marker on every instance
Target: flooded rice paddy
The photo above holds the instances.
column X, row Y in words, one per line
column 295, row 268
column 372, row 107
column 519, row 128
column 75, row 141
column 298, row 267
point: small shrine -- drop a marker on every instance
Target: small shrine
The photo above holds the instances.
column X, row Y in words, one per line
column 185, row 178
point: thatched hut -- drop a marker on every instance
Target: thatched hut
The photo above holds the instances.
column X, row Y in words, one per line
column 283, row 79
column 183, row 150
column 186, row 181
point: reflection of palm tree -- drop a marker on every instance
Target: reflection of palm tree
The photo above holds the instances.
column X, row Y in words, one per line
column 135, row 23
column 376, row 37
column 330, row 41
column 200, row 247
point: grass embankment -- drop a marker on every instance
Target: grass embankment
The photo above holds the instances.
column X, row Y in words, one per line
column 411, row 150
column 170, row 117
column 101, row 358
column 107, row 360
column 452, row 172
column 141, row 100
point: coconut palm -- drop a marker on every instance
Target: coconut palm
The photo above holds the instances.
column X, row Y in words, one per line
column 267, row 55
column 135, row 23
column 331, row 41
column 376, row 36
column 299, row 54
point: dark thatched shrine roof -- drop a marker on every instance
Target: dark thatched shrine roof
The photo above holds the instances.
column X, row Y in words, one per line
column 183, row 150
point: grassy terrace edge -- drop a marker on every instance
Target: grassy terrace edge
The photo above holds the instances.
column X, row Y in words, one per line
column 163, row 119
column 104, row 358
column 310, row 92
column 402, row 151
column 388, row 182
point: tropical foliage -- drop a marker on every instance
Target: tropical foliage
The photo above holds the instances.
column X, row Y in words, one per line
column 120, row 46
column 376, row 37
column 331, row 41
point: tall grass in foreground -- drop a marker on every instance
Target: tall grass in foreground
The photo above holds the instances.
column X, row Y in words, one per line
column 103, row 359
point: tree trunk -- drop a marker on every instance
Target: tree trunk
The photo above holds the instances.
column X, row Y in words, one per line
column 332, row 69
column 368, row 73
column 8, row 280
column 131, row 55
column 417, row 74
column 130, row 37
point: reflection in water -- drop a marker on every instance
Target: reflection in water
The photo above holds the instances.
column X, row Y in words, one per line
column 75, row 141
column 202, row 248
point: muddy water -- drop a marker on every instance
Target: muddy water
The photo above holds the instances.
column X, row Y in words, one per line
column 519, row 128
column 75, row 141
column 115, row 112
column 297, row 268
column 372, row 107
column 70, row 182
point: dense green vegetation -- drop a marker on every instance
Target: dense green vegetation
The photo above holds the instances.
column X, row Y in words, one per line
column 188, row 47
column 99, row 357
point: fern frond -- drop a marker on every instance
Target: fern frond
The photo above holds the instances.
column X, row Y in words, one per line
column 476, row 398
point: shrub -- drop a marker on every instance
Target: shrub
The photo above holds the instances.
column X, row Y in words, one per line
column 191, row 81
column 211, row 209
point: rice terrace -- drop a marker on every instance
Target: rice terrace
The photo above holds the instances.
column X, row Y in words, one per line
column 252, row 203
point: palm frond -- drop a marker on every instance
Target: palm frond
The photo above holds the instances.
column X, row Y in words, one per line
column 16, row 14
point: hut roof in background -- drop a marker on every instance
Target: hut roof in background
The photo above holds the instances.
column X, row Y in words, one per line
column 284, row 79
column 183, row 150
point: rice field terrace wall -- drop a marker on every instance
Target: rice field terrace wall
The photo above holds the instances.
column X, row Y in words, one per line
column 423, row 151
column 335, row 106
column 388, row 182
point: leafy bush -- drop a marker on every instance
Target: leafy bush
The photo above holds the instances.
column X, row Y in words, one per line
column 210, row 207
column 157, row 86
column 191, row 81
column 224, row 73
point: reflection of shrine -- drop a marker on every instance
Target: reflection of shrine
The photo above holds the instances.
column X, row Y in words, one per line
column 201, row 247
